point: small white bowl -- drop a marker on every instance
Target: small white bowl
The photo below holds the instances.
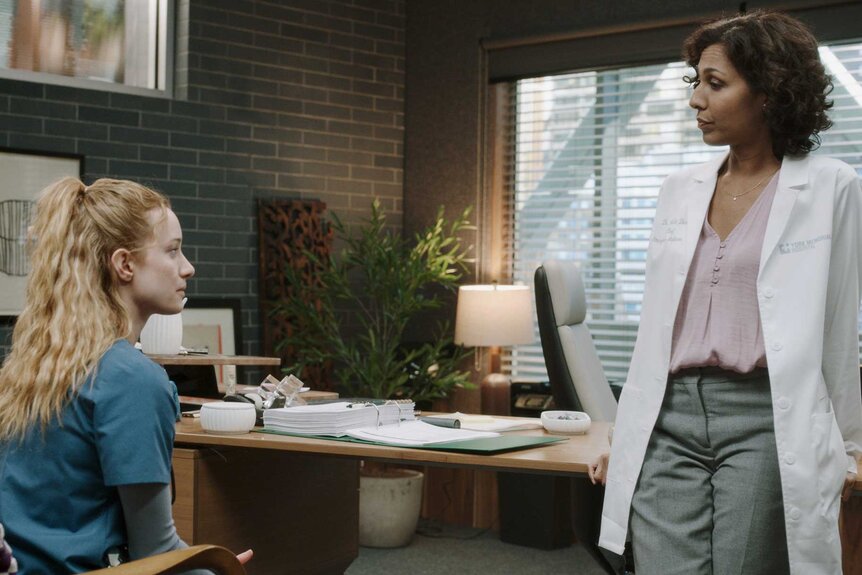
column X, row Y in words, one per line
column 566, row 421
column 226, row 417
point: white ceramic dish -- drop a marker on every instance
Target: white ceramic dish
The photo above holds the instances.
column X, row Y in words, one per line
column 570, row 422
column 227, row 418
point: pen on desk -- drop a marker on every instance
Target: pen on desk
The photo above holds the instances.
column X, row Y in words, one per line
column 442, row 421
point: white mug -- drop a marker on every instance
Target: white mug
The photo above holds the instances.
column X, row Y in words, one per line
column 163, row 334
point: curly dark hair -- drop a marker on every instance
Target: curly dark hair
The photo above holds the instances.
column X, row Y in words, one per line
column 777, row 55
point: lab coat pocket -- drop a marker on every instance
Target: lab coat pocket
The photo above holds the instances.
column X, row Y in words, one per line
column 830, row 459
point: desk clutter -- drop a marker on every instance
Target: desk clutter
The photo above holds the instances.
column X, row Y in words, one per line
column 271, row 393
column 280, row 410
column 390, row 422
column 337, row 418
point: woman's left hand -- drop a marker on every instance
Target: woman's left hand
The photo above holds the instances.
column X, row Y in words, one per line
column 849, row 481
column 598, row 469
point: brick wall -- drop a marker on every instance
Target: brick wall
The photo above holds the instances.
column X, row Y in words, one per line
column 288, row 98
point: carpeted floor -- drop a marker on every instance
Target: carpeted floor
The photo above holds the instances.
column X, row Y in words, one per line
column 451, row 550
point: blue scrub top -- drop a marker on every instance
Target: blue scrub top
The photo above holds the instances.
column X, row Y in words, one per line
column 58, row 496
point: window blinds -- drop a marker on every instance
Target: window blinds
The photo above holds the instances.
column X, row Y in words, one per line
column 587, row 154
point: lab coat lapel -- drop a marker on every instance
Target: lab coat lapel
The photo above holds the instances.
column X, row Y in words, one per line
column 702, row 187
column 792, row 177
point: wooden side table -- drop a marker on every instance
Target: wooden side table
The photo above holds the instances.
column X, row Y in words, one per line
column 214, row 359
column 229, row 361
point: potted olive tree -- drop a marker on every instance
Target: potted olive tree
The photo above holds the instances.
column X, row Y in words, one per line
column 352, row 311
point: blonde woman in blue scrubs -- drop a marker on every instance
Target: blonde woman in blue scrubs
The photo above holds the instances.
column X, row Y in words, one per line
column 86, row 420
column 741, row 419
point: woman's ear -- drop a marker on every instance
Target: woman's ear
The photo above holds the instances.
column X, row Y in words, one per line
column 122, row 263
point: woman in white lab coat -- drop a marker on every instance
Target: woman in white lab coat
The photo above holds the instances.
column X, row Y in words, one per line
column 741, row 420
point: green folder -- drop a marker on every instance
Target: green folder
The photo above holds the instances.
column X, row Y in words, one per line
column 480, row 446
column 492, row 445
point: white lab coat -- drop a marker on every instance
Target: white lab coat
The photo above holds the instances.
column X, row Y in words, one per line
column 808, row 296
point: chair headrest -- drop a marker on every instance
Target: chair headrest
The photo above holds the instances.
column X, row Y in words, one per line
column 567, row 292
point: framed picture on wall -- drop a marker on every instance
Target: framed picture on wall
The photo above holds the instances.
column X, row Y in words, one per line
column 213, row 324
column 23, row 174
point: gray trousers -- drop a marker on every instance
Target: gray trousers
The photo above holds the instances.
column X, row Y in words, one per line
column 708, row 500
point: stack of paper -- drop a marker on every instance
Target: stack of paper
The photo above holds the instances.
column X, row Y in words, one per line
column 415, row 434
column 335, row 418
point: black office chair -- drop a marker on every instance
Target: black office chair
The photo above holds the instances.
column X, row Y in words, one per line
column 577, row 383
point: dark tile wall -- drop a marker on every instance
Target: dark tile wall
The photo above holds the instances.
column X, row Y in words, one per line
column 288, row 98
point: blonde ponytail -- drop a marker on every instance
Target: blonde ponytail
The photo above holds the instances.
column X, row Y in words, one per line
column 73, row 311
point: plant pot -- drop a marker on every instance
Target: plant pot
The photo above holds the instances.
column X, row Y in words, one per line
column 389, row 505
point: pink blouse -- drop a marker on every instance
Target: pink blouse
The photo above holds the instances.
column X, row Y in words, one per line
column 718, row 320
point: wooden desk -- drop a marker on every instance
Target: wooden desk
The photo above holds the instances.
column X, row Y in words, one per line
column 565, row 458
column 299, row 512
column 295, row 500
column 313, row 486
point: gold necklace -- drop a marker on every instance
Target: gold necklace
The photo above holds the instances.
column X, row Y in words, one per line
column 752, row 188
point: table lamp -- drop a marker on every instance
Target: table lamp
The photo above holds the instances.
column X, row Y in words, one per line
column 493, row 316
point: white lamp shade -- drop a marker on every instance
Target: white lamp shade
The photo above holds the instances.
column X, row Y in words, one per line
column 493, row 315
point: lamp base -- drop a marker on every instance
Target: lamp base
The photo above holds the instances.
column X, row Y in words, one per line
column 496, row 396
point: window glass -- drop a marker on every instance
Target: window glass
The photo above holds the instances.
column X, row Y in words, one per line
column 590, row 151
column 106, row 41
